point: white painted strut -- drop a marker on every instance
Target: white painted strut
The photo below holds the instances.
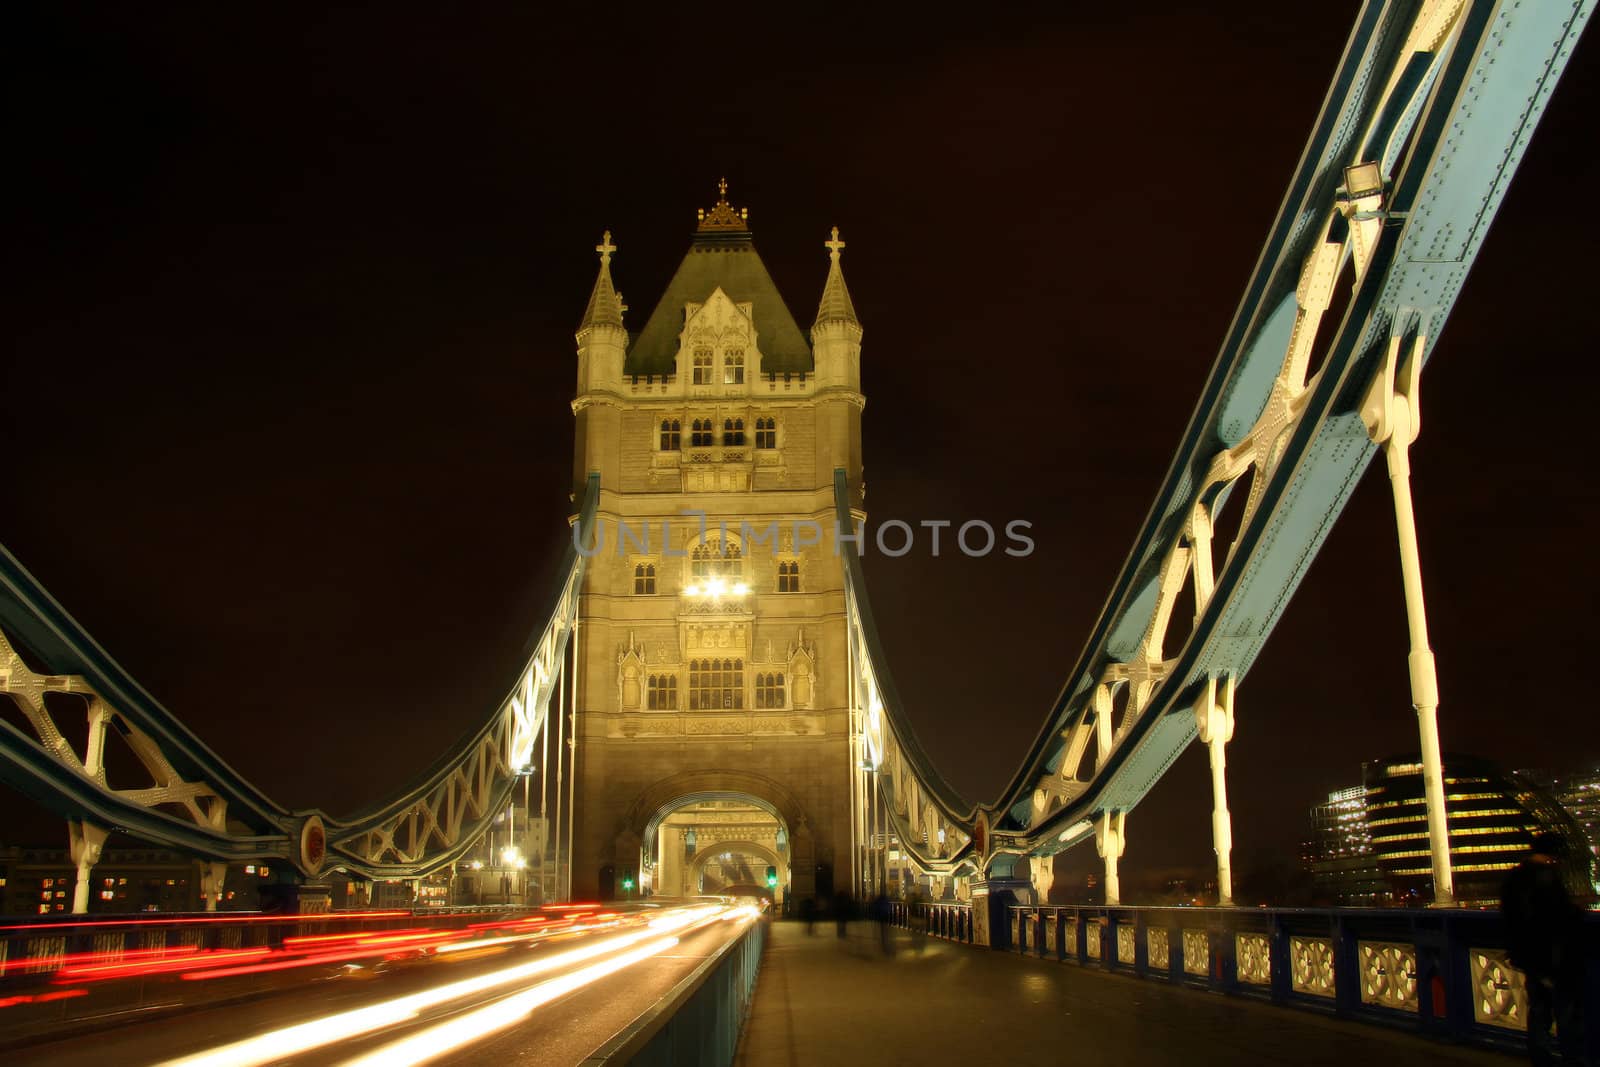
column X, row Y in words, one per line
column 1392, row 413
column 1215, row 722
column 1110, row 838
column 86, row 841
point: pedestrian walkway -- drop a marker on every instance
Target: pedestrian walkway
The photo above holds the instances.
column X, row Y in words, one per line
column 820, row 1000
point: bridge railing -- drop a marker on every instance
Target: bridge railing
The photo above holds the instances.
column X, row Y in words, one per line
column 950, row 921
column 1442, row 972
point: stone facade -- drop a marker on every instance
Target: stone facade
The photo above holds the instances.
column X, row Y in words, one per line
column 712, row 654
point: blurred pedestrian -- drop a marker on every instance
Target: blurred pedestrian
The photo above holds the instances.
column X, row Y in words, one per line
column 842, row 906
column 917, row 919
column 878, row 911
column 1544, row 936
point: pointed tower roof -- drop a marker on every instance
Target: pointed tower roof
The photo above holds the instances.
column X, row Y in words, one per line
column 836, row 305
column 721, row 255
column 605, row 303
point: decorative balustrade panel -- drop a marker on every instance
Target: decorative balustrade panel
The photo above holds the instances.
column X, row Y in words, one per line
column 1499, row 990
column 1311, row 966
column 1127, row 944
column 1253, row 958
column 1197, row 953
column 1158, row 949
column 1388, row 975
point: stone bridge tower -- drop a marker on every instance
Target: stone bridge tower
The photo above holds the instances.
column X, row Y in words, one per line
column 713, row 655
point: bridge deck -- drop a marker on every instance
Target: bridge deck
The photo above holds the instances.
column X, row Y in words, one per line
column 822, row 1000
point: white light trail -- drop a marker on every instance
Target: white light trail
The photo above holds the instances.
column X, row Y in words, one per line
column 302, row 1037
column 482, row 1022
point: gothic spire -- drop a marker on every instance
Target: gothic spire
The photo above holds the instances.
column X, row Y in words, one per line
column 836, row 305
column 605, row 303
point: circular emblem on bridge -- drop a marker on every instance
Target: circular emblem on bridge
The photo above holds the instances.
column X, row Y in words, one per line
column 313, row 845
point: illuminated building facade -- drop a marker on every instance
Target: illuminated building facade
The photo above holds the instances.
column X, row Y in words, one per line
column 39, row 881
column 1493, row 817
column 1579, row 793
column 712, row 635
column 1343, row 868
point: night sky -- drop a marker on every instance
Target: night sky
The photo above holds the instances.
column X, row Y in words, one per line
column 292, row 301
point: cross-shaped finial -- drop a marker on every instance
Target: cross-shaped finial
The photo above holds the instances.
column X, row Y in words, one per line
column 834, row 246
column 605, row 247
column 722, row 189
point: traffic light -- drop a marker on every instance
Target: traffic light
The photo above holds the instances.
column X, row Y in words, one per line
column 627, row 883
column 772, row 877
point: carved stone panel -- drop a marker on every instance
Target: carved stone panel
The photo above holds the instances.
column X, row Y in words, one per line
column 1254, row 958
column 1499, row 990
column 1196, row 953
column 1388, row 974
column 1311, row 965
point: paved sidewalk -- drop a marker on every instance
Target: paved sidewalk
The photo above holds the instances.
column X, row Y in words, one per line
column 820, row 1000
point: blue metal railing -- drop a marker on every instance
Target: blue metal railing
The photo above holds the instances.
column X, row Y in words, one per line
column 1441, row 972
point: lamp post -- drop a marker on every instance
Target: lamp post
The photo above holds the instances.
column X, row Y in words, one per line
column 526, row 774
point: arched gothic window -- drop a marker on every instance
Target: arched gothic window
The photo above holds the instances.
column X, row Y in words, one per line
column 733, row 431
column 702, row 366
column 644, row 579
column 733, row 367
column 671, row 435
column 716, row 684
column 703, row 433
column 766, row 433
column 716, row 559
column 769, row 690
column 662, row 693
column 789, row 576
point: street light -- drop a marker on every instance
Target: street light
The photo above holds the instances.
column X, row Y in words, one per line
column 716, row 589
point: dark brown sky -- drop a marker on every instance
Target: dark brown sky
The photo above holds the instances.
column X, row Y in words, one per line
column 286, row 411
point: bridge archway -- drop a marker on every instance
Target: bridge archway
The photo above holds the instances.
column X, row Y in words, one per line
column 725, row 864
column 679, row 826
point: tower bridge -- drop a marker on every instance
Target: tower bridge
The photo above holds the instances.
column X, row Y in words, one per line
column 707, row 696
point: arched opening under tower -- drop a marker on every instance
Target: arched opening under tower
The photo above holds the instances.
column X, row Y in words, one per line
column 716, row 842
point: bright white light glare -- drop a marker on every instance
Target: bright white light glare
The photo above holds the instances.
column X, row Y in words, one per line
column 678, row 920
column 476, row 1025
column 691, row 590
column 740, row 589
column 302, row 1037
column 716, row 587
column 510, row 856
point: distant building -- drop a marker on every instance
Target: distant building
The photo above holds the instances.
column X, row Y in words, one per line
column 1579, row 794
column 1339, row 855
column 40, row 881
column 1493, row 816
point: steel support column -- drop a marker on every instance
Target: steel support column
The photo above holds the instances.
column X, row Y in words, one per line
column 1215, row 722
column 1393, row 416
column 572, row 748
column 1109, row 840
column 86, row 840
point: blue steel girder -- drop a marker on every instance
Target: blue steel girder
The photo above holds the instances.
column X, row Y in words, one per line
column 44, row 650
column 1442, row 97
column 1447, row 140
